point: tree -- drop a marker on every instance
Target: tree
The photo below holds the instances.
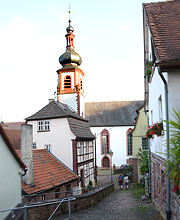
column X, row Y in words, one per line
column 143, row 161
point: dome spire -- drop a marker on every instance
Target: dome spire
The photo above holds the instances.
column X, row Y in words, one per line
column 69, row 29
column 70, row 56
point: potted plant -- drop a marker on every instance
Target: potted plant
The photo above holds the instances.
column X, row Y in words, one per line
column 155, row 129
column 149, row 65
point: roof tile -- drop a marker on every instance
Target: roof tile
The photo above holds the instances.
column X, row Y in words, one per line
column 164, row 22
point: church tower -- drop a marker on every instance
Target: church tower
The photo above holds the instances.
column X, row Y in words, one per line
column 70, row 77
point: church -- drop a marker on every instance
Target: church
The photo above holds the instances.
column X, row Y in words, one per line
column 110, row 122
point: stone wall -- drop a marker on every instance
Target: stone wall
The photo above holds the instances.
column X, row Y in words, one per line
column 158, row 188
column 83, row 201
column 134, row 163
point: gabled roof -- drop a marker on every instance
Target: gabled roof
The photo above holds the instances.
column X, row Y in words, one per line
column 48, row 172
column 11, row 148
column 55, row 110
column 80, row 129
column 119, row 113
column 164, row 23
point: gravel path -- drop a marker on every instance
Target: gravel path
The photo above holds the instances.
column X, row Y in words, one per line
column 119, row 205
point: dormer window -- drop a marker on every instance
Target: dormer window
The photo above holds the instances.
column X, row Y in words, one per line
column 67, row 82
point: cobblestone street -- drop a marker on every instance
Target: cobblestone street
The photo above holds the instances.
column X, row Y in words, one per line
column 118, row 205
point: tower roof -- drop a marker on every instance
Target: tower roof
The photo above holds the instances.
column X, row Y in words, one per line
column 70, row 56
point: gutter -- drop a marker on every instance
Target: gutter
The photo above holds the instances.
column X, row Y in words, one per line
column 168, row 195
column 147, row 116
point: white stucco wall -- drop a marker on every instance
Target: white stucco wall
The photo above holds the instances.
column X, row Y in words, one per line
column 117, row 144
column 156, row 89
column 59, row 137
column 69, row 99
column 174, row 91
column 10, row 179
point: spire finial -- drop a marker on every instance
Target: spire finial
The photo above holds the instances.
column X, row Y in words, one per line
column 69, row 14
column 70, row 28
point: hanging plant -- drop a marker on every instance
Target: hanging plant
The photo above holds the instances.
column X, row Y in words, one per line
column 155, row 129
column 149, row 65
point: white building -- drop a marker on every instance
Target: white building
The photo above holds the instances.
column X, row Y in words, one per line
column 59, row 129
column 11, row 169
column 161, row 47
column 112, row 124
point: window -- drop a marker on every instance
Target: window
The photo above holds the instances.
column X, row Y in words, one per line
column 151, row 116
column 129, row 141
column 40, row 125
column 160, row 108
column 81, row 145
column 67, row 82
column 44, row 125
column 87, row 147
column 144, row 143
column 105, row 145
column 34, row 145
column 47, row 147
column 81, row 84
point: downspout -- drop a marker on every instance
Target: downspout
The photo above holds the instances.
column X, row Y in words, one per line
column 149, row 155
column 168, row 195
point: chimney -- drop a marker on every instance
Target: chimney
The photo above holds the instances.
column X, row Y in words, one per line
column 26, row 152
column 51, row 100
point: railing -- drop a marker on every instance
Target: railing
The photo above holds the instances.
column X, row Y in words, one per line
column 60, row 195
column 38, row 204
column 30, row 201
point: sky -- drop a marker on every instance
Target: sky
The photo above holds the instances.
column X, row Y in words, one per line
column 108, row 37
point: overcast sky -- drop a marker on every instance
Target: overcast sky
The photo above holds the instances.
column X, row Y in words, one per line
column 108, row 37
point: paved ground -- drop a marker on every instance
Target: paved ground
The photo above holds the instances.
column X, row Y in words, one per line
column 119, row 205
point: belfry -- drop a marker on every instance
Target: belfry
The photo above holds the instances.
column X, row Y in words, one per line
column 70, row 77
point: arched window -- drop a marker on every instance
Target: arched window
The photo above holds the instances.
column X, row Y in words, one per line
column 129, row 141
column 67, row 82
column 105, row 162
column 81, row 84
column 105, row 142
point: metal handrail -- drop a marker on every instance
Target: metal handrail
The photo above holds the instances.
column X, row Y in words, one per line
column 67, row 199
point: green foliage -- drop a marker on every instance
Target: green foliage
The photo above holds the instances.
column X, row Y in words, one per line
column 149, row 65
column 174, row 151
column 143, row 161
column 137, row 191
column 90, row 185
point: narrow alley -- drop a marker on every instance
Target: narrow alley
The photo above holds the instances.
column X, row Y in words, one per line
column 118, row 205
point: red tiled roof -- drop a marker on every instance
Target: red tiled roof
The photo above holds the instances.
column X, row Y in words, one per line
column 11, row 148
column 14, row 137
column 13, row 125
column 48, row 172
column 164, row 22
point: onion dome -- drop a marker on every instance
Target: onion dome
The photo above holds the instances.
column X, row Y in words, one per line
column 70, row 56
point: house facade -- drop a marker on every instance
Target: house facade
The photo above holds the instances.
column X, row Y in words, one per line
column 162, row 80
column 139, row 141
column 112, row 124
column 11, row 169
column 60, row 130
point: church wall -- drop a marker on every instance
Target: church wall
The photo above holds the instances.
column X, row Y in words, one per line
column 117, row 144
